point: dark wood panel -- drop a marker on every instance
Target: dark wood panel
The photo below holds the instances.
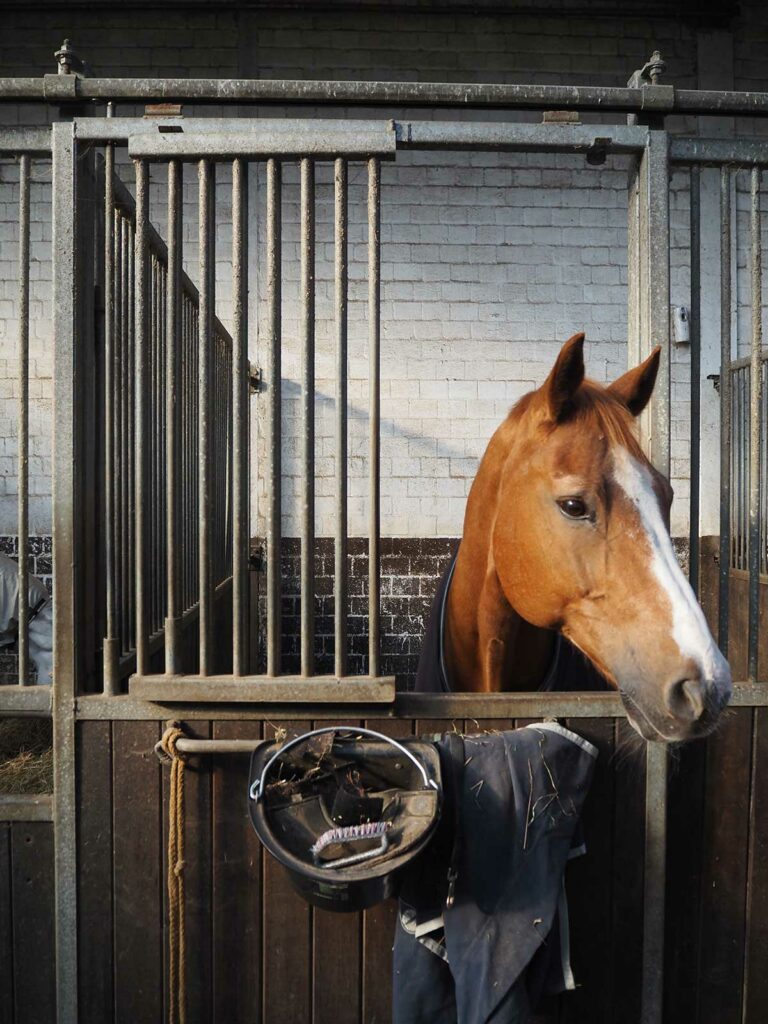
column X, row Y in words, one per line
column 756, row 953
column 379, row 927
column 726, row 829
column 685, row 863
column 237, row 873
column 34, row 957
column 94, row 853
column 137, row 839
column 628, row 769
column 336, row 959
column 588, row 881
column 6, row 927
column 287, row 937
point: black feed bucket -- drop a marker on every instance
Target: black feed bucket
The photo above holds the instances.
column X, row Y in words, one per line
column 344, row 814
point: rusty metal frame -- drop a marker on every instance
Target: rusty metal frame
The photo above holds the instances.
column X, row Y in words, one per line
column 649, row 302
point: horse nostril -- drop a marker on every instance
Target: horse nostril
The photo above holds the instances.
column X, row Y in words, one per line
column 685, row 699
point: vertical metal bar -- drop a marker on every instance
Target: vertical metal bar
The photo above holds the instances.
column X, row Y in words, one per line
column 725, row 409
column 755, row 402
column 142, row 344
column 654, row 883
column 118, row 501
column 274, row 525
column 308, row 414
column 173, row 402
column 695, row 327
column 111, row 653
column 656, row 243
column 23, row 416
column 65, row 555
column 374, row 379
column 240, row 519
column 341, row 274
column 207, row 242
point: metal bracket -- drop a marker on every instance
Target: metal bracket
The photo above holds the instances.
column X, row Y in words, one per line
column 255, row 379
column 715, row 378
column 70, row 62
column 597, row 152
column 649, row 73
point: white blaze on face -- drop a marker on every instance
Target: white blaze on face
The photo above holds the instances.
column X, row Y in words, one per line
column 689, row 627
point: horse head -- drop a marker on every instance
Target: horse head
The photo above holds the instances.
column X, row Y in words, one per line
column 580, row 543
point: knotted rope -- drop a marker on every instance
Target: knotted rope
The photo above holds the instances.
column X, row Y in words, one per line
column 168, row 752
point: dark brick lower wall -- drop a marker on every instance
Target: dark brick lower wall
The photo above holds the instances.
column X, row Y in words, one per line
column 410, row 571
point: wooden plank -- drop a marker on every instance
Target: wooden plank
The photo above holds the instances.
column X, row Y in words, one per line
column 685, row 858
column 237, row 876
column 34, row 957
column 726, row 828
column 94, row 856
column 6, row 927
column 336, row 960
column 627, row 872
column 756, row 952
column 379, row 927
column 588, row 881
column 138, row 946
column 287, row 941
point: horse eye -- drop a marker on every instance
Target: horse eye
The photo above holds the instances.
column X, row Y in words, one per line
column 574, row 508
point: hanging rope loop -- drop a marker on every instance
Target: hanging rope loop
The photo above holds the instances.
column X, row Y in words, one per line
column 168, row 753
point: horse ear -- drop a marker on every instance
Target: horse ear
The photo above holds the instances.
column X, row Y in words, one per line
column 635, row 387
column 565, row 378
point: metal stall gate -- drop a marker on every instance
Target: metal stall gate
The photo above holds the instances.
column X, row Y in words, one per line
column 152, row 461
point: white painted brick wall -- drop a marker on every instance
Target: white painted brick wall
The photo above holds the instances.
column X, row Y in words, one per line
column 488, row 261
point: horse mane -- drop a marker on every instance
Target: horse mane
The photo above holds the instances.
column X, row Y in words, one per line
column 597, row 409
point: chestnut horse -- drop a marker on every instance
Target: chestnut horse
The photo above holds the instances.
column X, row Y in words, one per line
column 567, row 530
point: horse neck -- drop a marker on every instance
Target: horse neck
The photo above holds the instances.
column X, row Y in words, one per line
column 488, row 646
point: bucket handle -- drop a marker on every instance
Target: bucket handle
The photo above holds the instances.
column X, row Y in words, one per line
column 256, row 790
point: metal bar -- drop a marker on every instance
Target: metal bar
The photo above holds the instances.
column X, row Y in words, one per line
column 111, row 653
column 512, row 137
column 656, row 245
column 26, row 808
column 717, row 151
column 374, row 382
column 121, row 442
column 274, row 525
column 340, row 310
column 725, row 410
column 240, row 523
column 142, row 344
column 654, row 884
column 755, row 403
column 308, row 414
column 313, row 139
column 207, row 241
column 65, row 566
column 657, row 99
column 96, row 707
column 173, row 436
column 22, row 529
column 695, row 329
column 26, row 141
column 265, row 689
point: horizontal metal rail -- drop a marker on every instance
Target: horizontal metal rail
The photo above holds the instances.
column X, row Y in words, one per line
column 26, row 807
column 657, row 99
column 308, row 139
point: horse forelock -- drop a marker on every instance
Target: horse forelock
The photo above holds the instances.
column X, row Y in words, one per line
column 594, row 409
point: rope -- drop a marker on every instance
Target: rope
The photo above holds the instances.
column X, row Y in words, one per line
column 168, row 753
